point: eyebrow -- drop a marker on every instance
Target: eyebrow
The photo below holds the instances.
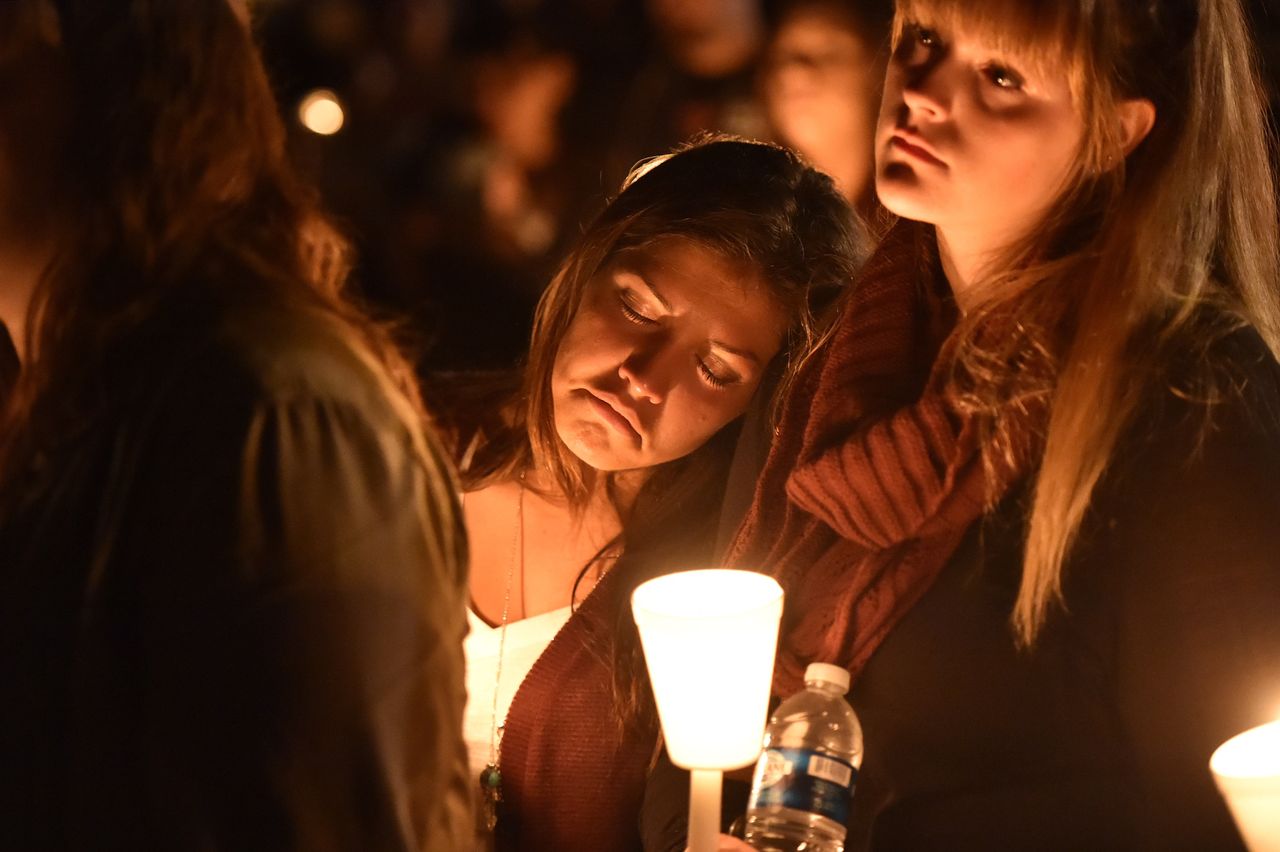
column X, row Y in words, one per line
column 741, row 353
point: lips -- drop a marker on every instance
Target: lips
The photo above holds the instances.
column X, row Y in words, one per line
column 616, row 413
column 915, row 148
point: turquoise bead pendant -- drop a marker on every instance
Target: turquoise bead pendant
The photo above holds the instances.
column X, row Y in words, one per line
column 491, row 788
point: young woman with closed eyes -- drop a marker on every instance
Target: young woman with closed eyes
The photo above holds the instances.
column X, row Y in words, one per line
column 692, row 291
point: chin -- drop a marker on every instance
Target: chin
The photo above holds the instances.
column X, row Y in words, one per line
column 590, row 444
column 902, row 194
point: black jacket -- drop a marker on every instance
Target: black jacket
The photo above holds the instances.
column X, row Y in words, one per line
column 1100, row 736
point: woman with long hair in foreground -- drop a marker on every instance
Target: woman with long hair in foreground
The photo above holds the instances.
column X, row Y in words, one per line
column 232, row 570
column 1029, row 492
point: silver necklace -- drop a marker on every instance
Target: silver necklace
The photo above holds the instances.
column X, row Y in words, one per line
column 491, row 775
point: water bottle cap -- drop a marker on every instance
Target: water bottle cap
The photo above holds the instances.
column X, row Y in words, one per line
column 827, row 673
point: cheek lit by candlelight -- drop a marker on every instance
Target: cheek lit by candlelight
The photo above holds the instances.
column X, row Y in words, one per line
column 321, row 112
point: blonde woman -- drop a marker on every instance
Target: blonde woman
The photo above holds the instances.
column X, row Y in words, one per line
column 1029, row 494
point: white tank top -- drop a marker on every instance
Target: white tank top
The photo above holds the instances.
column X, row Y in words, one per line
column 526, row 640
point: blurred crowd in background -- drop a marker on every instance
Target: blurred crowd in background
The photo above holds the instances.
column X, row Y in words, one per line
column 463, row 144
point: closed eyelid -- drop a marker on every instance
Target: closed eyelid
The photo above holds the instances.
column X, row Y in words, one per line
column 636, row 282
column 633, row 312
column 732, row 369
column 719, row 371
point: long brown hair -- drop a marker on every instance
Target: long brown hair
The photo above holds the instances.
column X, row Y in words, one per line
column 1144, row 257
column 177, row 180
column 755, row 203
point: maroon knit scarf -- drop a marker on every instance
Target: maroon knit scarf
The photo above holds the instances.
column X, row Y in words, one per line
column 881, row 476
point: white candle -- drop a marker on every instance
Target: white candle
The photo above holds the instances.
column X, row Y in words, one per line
column 709, row 640
column 1247, row 770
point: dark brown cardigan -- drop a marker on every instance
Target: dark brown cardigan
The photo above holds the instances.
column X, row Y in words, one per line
column 572, row 782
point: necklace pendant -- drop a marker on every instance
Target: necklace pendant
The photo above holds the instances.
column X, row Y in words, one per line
column 491, row 788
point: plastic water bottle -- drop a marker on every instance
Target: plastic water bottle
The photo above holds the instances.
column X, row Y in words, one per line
column 804, row 780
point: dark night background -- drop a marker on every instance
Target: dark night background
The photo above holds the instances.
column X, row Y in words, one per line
column 479, row 135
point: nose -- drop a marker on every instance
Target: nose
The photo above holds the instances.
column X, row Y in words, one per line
column 928, row 88
column 646, row 375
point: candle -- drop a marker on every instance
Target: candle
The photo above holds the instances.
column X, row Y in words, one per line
column 1247, row 770
column 709, row 640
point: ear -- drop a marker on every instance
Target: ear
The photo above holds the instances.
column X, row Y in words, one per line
column 1136, row 117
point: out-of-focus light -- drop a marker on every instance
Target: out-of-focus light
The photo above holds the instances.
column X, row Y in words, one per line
column 321, row 112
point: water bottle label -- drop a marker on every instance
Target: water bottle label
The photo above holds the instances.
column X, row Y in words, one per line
column 805, row 780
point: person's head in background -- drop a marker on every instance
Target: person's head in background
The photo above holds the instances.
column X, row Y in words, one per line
column 143, row 166
column 521, row 90
column 1098, row 178
column 709, row 38
column 820, row 82
column 697, row 281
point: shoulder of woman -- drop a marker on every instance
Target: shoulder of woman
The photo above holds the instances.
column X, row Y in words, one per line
column 1225, row 390
column 224, row 379
column 288, row 354
column 1201, row 458
column 1187, row 532
column 1249, row 377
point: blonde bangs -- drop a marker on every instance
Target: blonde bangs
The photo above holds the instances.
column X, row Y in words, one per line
column 1044, row 37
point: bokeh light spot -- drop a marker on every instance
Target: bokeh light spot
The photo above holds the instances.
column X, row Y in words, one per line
column 321, row 112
